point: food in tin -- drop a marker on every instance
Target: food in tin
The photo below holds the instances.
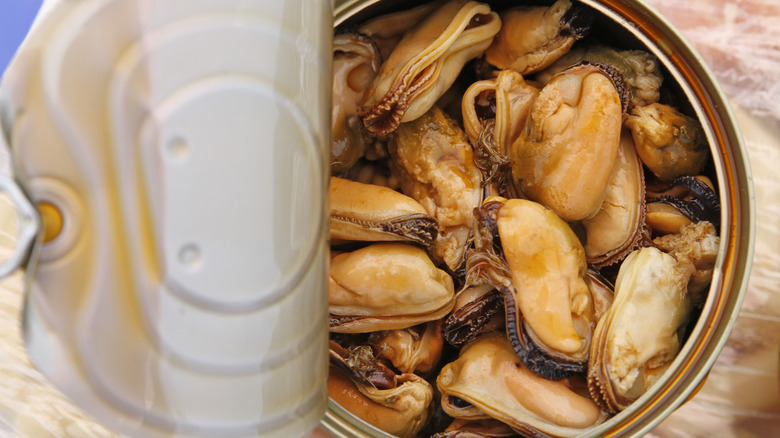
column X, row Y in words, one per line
column 528, row 233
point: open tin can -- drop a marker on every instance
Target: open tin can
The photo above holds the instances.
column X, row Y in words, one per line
column 630, row 24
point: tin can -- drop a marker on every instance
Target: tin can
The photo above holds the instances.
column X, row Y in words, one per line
column 637, row 26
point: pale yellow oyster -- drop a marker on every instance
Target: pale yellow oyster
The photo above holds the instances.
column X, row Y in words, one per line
column 386, row 286
column 533, row 37
column 540, row 269
column 402, row 410
column 367, row 212
column 426, row 62
column 619, row 227
column 490, row 377
column 695, row 246
column 434, row 163
column 639, row 337
column 670, row 143
column 565, row 157
column 356, row 62
column 414, row 349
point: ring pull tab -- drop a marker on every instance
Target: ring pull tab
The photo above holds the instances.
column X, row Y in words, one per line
column 26, row 226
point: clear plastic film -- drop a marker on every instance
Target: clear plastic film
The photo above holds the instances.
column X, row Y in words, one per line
column 740, row 41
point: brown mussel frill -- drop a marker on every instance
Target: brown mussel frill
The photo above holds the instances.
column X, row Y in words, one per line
column 523, row 229
column 368, row 212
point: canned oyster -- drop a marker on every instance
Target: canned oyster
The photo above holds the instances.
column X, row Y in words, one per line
column 570, row 154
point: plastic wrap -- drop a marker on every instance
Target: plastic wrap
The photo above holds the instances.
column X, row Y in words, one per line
column 740, row 40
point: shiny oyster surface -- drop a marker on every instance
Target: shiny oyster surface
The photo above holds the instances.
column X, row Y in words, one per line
column 489, row 376
column 370, row 212
column 426, row 62
column 435, row 165
column 356, row 61
column 565, row 158
column 670, row 143
column 386, row 286
column 639, row 337
column 533, row 37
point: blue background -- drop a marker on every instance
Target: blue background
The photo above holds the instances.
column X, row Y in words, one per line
column 16, row 16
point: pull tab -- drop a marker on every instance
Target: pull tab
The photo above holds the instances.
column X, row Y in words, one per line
column 28, row 224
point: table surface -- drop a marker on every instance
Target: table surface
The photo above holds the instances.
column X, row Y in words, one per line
column 740, row 40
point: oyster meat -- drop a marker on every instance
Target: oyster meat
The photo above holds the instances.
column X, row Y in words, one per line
column 670, row 143
column 565, row 157
column 489, row 376
column 356, row 62
column 533, row 37
column 368, row 212
column 386, row 286
column 639, row 337
column 426, row 62
column 434, row 163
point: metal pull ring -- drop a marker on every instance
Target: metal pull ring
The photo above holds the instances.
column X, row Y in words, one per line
column 28, row 226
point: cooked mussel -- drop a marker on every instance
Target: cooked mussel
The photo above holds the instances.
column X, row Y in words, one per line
column 639, row 337
column 402, row 410
column 639, row 69
column 489, row 376
column 426, row 62
column 386, row 286
column 434, row 163
column 695, row 245
column 411, row 350
column 533, row 37
column 670, row 143
column 367, row 212
column 356, row 62
column 619, row 227
column 494, row 115
column 536, row 261
column 570, row 144
column 685, row 201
